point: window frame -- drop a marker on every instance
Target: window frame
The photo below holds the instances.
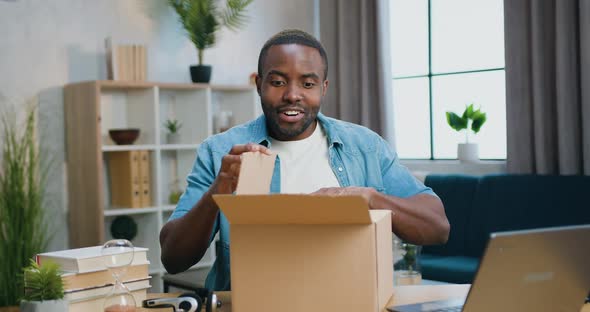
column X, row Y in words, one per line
column 430, row 77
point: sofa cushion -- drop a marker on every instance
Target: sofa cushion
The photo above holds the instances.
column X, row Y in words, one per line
column 456, row 193
column 452, row 269
column 514, row 202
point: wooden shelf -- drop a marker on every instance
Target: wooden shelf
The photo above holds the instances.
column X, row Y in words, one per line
column 93, row 107
column 173, row 147
column 168, row 208
column 129, row 211
column 127, row 85
column 120, row 148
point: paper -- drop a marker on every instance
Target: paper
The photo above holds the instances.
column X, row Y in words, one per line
column 255, row 173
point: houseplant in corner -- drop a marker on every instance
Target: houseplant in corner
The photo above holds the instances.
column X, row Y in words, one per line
column 202, row 20
column 23, row 231
column 44, row 289
column 471, row 119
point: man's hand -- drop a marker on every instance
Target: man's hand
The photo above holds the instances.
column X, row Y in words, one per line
column 227, row 179
column 368, row 193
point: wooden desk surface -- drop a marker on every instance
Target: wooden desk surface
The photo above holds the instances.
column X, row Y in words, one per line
column 401, row 295
column 422, row 293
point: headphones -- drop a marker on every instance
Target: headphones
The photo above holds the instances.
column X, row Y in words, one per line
column 187, row 302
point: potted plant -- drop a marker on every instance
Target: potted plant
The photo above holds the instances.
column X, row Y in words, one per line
column 173, row 126
column 174, row 188
column 406, row 266
column 23, row 232
column 44, row 288
column 202, row 19
column 470, row 120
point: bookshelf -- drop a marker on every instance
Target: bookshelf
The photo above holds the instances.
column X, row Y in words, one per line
column 94, row 107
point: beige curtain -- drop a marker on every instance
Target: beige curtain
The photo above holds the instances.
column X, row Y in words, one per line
column 547, row 80
column 355, row 34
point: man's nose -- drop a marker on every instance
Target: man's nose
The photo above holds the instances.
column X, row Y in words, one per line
column 292, row 94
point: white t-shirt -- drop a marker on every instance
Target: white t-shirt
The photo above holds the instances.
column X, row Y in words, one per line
column 305, row 164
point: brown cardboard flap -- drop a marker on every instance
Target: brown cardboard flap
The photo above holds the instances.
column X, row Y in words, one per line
column 255, row 173
column 379, row 214
column 293, row 209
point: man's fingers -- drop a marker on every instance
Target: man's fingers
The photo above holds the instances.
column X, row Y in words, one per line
column 250, row 147
column 228, row 160
column 235, row 169
column 227, row 178
column 328, row 191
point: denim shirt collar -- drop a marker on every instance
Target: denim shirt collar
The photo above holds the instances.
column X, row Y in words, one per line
column 260, row 132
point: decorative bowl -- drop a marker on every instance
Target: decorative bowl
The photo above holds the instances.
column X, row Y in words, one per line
column 124, row 136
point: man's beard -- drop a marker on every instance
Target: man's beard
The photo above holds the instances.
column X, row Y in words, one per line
column 288, row 133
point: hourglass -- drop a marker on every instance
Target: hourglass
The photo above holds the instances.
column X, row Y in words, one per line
column 118, row 255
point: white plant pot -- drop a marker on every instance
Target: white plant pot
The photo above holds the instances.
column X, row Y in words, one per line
column 44, row 306
column 468, row 152
column 173, row 138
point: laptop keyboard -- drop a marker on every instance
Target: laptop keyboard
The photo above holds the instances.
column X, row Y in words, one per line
column 449, row 305
column 449, row 309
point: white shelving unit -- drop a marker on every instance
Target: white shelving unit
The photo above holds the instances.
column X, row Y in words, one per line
column 92, row 108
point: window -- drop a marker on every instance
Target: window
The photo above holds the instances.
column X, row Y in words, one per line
column 447, row 54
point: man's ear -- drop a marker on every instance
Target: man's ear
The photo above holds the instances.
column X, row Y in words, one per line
column 325, row 85
column 258, row 83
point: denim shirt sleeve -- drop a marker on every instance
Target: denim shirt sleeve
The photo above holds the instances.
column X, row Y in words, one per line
column 199, row 180
column 397, row 179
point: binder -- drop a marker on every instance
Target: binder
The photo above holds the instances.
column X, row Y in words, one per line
column 125, row 180
column 145, row 179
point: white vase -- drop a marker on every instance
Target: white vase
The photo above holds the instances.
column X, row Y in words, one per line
column 173, row 138
column 44, row 306
column 468, row 152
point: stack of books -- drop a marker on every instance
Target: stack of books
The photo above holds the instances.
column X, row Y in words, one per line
column 87, row 281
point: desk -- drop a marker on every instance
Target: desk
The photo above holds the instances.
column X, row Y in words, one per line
column 422, row 293
column 401, row 295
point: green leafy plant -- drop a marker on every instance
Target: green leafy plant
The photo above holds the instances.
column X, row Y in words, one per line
column 411, row 256
column 471, row 119
column 174, row 197
column 43, row 282
column 202, row 19
column 172, row 125
column 23, row 232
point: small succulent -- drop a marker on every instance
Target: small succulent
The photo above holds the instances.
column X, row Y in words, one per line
column 43, row 282
column 410, row 256
column 173, row 125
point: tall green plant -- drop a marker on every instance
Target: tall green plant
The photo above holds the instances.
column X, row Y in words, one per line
column 202, row 19
column 23, row 232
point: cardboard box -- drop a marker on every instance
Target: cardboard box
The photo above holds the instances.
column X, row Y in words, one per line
column 303, row 252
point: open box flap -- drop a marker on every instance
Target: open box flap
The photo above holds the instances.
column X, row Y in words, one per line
column 294, row 209
column 255, row 173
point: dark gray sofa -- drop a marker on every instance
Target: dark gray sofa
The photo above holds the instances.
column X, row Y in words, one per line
column 478, row 206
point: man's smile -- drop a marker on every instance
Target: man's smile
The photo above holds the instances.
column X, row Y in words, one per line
column 291, row 114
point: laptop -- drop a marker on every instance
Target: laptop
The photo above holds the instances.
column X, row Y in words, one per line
column 532, row 270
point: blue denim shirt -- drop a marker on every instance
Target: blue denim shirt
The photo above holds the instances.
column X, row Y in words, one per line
column 358, row 156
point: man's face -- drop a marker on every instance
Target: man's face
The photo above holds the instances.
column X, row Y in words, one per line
column 291, row 89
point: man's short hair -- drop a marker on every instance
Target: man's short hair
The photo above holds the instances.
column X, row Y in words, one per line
column 293, row 36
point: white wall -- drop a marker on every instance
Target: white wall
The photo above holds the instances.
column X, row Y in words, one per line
column 45, row 44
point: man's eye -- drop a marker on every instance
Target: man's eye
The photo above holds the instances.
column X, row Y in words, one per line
column 277, row 83
column 308, row 85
